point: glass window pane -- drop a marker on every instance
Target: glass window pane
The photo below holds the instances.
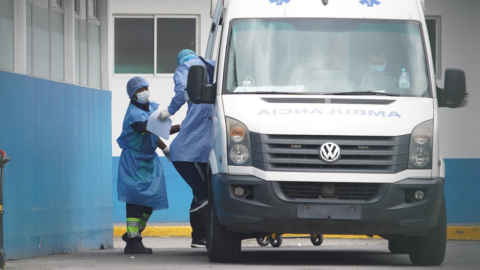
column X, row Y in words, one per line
column 57, row 34
column 57, row 3
column 83, row 53
column 41, row 42
column 77, row 52
column 94, row 56
column 432, row 34
column 6, row 34
column 29, row 39
column 134, row 45
column 321, row 56
column 170, row 42
column 93, row 8
column 77, row 7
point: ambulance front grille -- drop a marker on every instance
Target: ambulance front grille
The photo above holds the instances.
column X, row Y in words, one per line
column 301, row 153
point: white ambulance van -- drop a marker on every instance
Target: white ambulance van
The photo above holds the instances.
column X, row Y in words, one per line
column 325, row 122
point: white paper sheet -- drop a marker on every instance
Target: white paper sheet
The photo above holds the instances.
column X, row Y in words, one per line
column 159, row 128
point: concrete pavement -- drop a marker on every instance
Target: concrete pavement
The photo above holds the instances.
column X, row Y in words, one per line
column 175, row 253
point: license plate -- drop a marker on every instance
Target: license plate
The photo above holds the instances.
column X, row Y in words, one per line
column 338, row 212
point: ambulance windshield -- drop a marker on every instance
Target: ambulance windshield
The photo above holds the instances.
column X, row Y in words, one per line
column 325, row 56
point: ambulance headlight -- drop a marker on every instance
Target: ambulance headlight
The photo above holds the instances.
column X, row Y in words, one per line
column 419, row 157
column 239, row 151
column 239, row 154
column 421, row 144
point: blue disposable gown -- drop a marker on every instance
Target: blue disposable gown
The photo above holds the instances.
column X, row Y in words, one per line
column 195, row 139
column 141, row 180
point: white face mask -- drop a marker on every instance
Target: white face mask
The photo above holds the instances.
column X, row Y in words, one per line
column 185, row 96
column 143, row 97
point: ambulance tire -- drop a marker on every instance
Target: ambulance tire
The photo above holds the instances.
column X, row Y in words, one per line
column 429, row 250
column 222, row 245
column 398, row 246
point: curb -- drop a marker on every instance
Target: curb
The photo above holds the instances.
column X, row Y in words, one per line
column 471, row 233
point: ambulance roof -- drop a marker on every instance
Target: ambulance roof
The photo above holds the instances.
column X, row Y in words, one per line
column 353, row 9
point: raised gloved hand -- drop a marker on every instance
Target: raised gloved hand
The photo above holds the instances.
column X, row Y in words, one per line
column 166, row 152
column 163, row 115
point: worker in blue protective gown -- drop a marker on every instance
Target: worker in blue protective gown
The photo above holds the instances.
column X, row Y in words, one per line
column 141, row 182
column 191, row 148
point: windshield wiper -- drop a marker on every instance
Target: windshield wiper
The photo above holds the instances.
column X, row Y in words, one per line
column 365, row 93
column 278, row 93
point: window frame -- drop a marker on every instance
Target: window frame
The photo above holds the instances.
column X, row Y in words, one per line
column 96, row 11
column 55, row 7
column 89, row 20
column 59, row 9
column 77, row 9
column 438, row 45
column 14, row 48
column 155, row 74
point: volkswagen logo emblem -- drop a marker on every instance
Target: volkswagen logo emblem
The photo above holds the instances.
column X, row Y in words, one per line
column 330, row 152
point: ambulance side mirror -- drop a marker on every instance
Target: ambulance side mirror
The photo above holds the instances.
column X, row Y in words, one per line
column 198, row 90
column 454, row 95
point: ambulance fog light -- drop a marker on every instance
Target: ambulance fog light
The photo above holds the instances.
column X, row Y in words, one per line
column 239, row 191
column 419, row 195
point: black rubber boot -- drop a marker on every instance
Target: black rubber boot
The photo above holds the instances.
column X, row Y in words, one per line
column 135, row 246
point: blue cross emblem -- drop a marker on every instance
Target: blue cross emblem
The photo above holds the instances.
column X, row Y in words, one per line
column 280, row 2
column 370, row 3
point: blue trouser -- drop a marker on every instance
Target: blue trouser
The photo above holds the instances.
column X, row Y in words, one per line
column 198, row 227
column 195, row 175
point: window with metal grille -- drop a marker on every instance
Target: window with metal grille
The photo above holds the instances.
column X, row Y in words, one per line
column 150, row 44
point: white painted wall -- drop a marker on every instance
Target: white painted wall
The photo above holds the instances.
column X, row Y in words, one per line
column 161, row 87
column 460, row 128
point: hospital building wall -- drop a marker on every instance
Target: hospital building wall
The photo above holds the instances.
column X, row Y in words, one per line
column 55, row 125
column 458, row 41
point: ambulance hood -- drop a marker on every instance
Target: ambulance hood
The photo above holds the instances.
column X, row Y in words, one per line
column 329, row 115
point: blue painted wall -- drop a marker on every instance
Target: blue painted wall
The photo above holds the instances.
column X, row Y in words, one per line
column 461, row 191
column 58, row 184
